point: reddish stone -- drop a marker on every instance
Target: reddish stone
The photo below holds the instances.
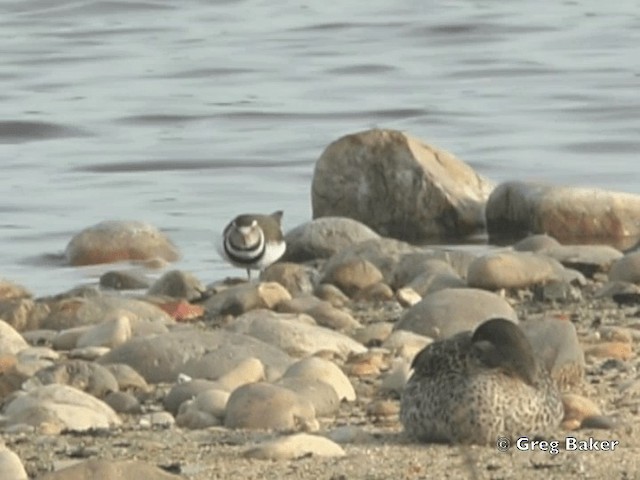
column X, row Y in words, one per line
column 181, row 310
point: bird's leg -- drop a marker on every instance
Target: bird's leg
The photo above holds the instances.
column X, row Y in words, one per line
column 249, row 274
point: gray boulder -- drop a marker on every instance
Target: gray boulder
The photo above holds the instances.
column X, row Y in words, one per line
column 398, row 186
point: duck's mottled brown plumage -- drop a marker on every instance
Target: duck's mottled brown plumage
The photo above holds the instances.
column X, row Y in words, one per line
column 474, row 388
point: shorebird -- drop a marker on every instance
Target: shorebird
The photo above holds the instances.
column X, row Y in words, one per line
column 253, row 241
column 479, row 387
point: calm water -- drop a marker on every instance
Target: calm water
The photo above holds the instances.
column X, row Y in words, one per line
column 184, row 114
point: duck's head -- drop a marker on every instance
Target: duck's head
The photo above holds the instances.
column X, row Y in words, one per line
column 500, row 343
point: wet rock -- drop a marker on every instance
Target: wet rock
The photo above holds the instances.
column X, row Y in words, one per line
column 289, row 334
column 447, row 312
column 10, row 465
column 244, row 298
column 399, row 186
column 326, row 371
column 384, row 253
column 122, row 402
column 115, row 241
column 199, row 354
column 297, row 279
column 323, row 237
column 110, row 333
column 321, row 311
column 266, row 406
column 295, row 446
column 512, row 270
column 124, row 280
column 98, row 469
column 178, row 284
column 587, row 259
column 569, row 214
column 352, row 276
column 320, row 394
column 556, row 344
column 10, row 340
column 86, row 376
column 626, row 269
column 62, row 407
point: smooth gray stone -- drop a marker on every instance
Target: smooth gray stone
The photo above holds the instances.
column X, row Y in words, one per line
column 511, row 269
column 323, row 237
column 446, row 312
column 266, row 406
column 197, row 353
column 556, row 343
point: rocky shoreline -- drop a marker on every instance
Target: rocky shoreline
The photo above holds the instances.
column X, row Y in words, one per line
column 299, row 374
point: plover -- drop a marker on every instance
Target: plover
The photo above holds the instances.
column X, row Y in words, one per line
column 253, row 241
column 477, row 387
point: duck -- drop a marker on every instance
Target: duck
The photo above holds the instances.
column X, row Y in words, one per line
column 477, row 387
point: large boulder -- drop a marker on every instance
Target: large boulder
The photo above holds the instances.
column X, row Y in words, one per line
column 569, row 214
column 116, row 241
column 399, row 186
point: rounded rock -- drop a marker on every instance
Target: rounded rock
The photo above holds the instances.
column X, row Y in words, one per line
column 512, row 270
column 62, row 406
column 626, row 269
column 399, row 186
column 265, row 406
column 10, row 465
column 297, row 279
column 115, row 241
column 446, row 312
column 295, row 446
column 326, row 371
column 11, row 342
column 322, row 237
